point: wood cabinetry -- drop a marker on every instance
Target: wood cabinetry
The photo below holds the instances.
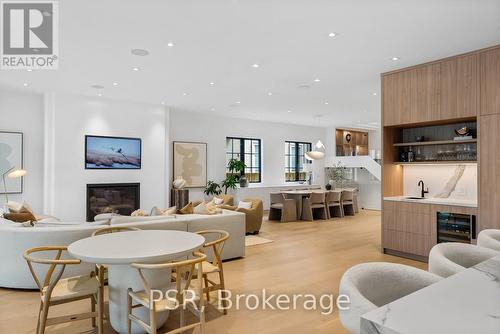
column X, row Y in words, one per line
column 489, row 172
column 407, row 228
column 438, row 91
column 459, row 87
column 410, row 229
column 490, row 82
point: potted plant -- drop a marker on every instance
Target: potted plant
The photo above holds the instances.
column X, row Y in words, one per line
column 212, row 189
column 236, row 169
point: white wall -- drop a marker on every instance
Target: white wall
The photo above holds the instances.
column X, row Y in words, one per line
column 23, row 112
column 76, row 116
column 435, row 178
column 213, row 130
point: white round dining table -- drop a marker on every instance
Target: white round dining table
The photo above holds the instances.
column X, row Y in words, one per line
column 119, row 250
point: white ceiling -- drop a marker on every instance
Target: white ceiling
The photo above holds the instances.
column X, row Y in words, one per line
column 219, row 40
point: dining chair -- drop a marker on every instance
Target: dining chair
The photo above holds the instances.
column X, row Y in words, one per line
column 282, row 208
column 102, row 269
column 185, row 271
column 216, row 246
column 333, row 204
column 347, row 200
column 312, row 204
column 56, row 291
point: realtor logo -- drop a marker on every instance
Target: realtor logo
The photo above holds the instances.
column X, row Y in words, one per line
column 29, row 35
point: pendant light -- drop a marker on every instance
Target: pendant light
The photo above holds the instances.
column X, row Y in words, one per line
column 319, row 149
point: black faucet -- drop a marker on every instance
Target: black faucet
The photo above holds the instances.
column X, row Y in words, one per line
column 423, row 192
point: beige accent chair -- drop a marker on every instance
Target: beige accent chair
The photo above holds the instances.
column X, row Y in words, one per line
column 57, row 291
column 347, row 201
column 282, row 209
column 314, row 204
column 253, row 216
column 215, row 267
column 489, row 238
column 184, row 272
column 450, row 258
column 333, row 204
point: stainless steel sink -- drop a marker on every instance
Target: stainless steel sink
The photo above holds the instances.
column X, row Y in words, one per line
column 415, row 197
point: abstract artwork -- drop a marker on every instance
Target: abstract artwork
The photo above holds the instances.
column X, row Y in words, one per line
column 190, row 162
column 11, row 155
column 112, row 152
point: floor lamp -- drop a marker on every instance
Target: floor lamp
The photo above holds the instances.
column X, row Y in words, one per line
column 12, row 173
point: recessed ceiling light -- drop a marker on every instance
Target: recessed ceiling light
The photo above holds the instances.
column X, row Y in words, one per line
column 25, row 84
column 100, row 94
column 374, row 94
column 184, row 94
column 115, row 84
column 170, row 44
column 237, row 102
column 213, row 109
column 288, row 111
column 395, row 58
column 269, row 93
column 139, row 52
column 136, row 69
column 162, row 103
column 29, row 70
column 255, row 65
column 326, row 103
column 332, row 34
column 212, row 83
column 317, row 80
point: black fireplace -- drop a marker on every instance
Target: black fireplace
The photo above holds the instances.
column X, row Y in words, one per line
column 120, row 198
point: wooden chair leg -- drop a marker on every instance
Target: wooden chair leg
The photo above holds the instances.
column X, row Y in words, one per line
column 100, row 311
column 92, row 309
column 207, row 290
column 202, row 319
column 129, row 312
column 152, row 320
column 39, row 315
column 223, row 287
column 43, row 318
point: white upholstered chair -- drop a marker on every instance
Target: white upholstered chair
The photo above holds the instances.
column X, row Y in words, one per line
column 372, row 285
column 489, row 239
column 449, row 258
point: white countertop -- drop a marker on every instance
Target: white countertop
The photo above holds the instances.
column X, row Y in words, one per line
column 465, row 303
column 431, row 200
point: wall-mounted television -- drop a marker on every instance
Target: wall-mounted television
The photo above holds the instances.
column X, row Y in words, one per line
column 112, row 152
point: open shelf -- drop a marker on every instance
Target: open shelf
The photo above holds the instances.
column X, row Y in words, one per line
column 441, row 162
column 437, row 142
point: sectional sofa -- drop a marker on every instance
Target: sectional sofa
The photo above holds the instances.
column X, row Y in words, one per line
column 15, row 239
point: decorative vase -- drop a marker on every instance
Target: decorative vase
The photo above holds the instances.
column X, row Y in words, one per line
column 328, row 186
column 243, row 182
column 179, row 183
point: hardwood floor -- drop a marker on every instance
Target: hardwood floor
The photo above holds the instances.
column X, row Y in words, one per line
column 305, row 258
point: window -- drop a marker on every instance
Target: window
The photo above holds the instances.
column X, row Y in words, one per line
column 295, row 161
column 248, row 151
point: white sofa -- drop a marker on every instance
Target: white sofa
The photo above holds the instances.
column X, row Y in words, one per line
column 15, row 239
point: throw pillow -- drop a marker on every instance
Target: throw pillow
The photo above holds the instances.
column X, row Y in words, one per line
column 201, row 209
column 244, row 205
column 20, row 217
column 212, row 208
column 165, row 212
column 138, row 213
column 218, row 201
column 13, row 207
column 187, row 210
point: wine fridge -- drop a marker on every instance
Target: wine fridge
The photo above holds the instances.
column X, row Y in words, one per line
column 455, row 227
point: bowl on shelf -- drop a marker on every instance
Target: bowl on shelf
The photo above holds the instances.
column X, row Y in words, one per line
column 419, row 139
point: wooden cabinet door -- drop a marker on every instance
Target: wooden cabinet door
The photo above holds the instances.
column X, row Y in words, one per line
column 459, row 87
column 396, row 98
column 489, row 172
column 490, row 82
column 425, row 85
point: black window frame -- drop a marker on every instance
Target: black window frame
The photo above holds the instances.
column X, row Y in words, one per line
column 242, row 154
column 297, row 159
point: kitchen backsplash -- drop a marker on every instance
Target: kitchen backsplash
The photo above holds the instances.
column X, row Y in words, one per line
column 436, row 178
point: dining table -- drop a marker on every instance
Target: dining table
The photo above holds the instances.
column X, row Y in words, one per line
column 118, row 250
